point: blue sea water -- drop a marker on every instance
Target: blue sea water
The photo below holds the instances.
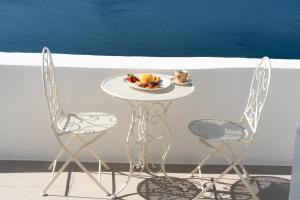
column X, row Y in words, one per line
column 223, row 28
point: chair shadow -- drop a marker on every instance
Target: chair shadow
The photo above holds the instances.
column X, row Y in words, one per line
column 161, row 188
column 265, row 187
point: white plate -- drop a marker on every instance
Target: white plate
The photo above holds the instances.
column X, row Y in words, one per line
column 177, row 83
column 163, row 84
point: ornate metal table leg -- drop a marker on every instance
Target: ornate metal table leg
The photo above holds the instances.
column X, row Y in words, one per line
column 139, row 121
column 134, row 120
column 159, row 113
column 144, row 114
column 162, row 116
column 141, row 118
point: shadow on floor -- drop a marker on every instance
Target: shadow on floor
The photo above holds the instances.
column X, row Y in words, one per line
column 160, row 188
column 265, row 187
column 171, row 188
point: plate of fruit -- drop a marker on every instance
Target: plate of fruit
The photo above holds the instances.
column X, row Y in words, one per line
column 147, row 81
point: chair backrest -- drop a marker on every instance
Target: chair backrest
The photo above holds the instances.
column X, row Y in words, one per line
column 258, row 93
column 49, row 83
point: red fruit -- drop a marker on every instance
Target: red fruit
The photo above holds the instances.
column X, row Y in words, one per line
column 135, row 79
column 130, row 79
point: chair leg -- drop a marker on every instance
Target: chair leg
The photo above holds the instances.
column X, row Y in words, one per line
column 203, row 162
column 215, row 150
column 90, row 175
column 245, row 182
column 233, row 165
column 235, row 168
column 74, row 158
column 86, row 144
column 53, row 169
column 198, row 168
column 99, row 171
column 60, row 153
column 233, row 156
column 245, row 172
column 93, row 152
column 51, row 166
column 44, row 192
column 214, row 182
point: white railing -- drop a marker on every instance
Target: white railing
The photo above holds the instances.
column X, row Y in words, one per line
column 222, row 86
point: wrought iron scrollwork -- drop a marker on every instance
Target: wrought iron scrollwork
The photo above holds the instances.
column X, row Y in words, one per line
column 144, row 115
column 49, row 81
column 258, row 93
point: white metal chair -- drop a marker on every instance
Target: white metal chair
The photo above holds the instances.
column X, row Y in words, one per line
column 68, row 127
column 219, row 135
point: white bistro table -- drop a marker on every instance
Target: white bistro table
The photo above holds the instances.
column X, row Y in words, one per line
column 148, row 107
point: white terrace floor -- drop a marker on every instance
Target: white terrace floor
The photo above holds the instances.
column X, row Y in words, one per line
column 24, row 180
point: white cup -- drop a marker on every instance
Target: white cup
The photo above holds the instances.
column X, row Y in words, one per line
column 182, row 76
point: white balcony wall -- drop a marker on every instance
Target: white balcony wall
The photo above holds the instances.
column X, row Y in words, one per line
column 222, row 86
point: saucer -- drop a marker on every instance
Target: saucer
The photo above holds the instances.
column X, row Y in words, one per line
column 178, row 83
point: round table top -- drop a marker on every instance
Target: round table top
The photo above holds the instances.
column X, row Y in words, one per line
column 116, row 87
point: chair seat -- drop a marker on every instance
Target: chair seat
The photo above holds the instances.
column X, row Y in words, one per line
column 87, row 122
column 218, row 130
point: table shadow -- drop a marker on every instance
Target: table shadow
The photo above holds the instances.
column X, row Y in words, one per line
column 161, row 188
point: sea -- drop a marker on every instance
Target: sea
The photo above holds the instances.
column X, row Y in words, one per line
column 166, row 28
